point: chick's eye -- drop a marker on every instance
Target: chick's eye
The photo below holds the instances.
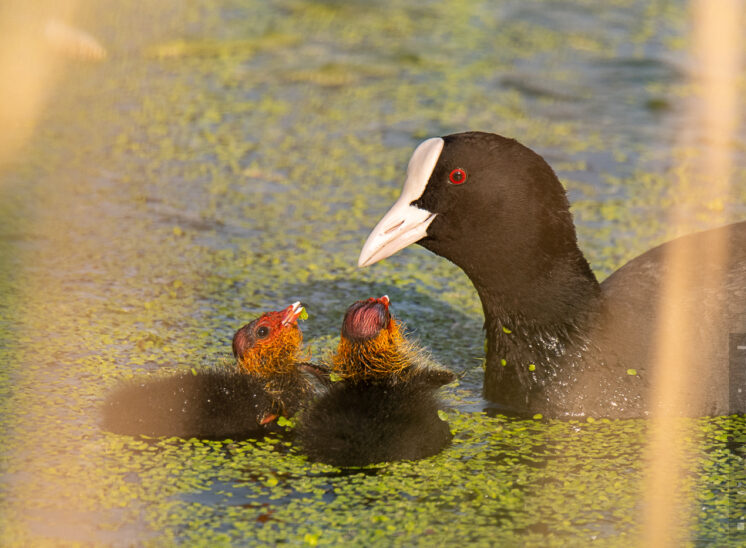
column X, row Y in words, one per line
column 457, row 176
column 262, row 332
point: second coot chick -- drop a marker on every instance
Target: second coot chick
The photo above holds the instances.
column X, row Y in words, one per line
column 269, row 381
column 383, row 406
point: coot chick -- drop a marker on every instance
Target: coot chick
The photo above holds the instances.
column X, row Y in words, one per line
column 383, row 406
column 558, row 342
column 269, row 381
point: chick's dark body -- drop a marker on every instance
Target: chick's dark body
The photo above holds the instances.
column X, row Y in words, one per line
column 212, row 403
column 360, row 423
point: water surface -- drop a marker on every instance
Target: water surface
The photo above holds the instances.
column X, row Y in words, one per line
column 228, row 158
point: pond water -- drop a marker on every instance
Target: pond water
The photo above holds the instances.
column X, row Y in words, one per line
column 228, row 158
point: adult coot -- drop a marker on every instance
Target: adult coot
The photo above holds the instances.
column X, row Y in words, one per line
column 382, row 406
column 270, row 381
column 558, row 342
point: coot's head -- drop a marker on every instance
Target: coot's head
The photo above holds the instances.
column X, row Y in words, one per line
column 271, row 343
column 487, row 203
column 372, row 344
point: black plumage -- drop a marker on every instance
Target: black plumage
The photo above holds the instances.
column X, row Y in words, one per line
column 360, row 423
column 210, row 403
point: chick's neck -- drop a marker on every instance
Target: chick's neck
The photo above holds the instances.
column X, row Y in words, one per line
column 379, row 358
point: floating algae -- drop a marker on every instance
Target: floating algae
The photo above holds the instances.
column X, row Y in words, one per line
column 168, row 197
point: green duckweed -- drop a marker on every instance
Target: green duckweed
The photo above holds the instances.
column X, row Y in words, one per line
column 229, row 158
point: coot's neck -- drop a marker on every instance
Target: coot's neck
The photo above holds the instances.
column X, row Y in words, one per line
column 537, row 325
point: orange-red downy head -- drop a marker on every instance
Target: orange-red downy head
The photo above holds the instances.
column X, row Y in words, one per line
column 271, row 343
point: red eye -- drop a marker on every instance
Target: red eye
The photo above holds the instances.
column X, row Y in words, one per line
column 457, row 176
